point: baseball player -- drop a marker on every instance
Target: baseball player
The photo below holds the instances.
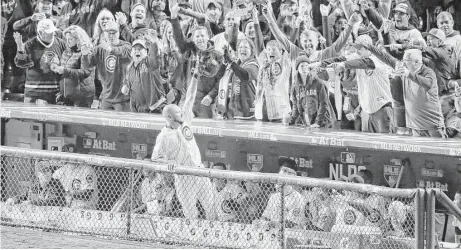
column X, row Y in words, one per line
column 176, row 145
column 229, row 195
column 80, row 184
column 294, row 202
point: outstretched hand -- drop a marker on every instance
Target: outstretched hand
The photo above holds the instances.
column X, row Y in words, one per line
column 18, row 40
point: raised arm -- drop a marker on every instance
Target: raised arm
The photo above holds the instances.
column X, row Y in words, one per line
column 336, row 47
column 191, row 95
column 23, row 57
column 278, row 34
column 259, row 39
column 384, row 56
column 201, row 17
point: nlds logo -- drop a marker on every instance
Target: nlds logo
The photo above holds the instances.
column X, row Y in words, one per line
column 347, row 166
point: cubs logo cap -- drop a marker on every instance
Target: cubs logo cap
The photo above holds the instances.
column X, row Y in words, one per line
column 47, row 26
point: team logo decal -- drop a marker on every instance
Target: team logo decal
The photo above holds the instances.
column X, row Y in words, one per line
column 276, row 69
column 226, row 207
column 349, row 217
column 76, row 184
column 110, row 63
column 89, row 179
column 374, row 216
column 369, row 72
column 222, row 94
column 392, row 172
column 138, row 151
column 255, row 162
column 187, row 133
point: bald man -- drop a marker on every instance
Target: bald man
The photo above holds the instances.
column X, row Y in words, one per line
column 176, row 144
column 420, row 91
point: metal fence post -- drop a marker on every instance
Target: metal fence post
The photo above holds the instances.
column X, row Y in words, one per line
column 130, row 205
column 419, row 223
column 430, row 219
column 282, row 214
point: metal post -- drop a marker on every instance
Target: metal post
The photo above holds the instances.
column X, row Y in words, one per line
column 282, row 214
column 430, row 219
column 419, row 223
column 130, row 205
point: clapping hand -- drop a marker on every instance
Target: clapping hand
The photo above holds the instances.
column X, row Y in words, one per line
column 355, row 18
column 121, row 18
column 18, row 40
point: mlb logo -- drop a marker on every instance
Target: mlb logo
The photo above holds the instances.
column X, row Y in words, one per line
column 347, row 157
column 255, row 162
column 87, row 143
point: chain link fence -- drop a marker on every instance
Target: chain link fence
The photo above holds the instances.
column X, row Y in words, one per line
column 201, row 207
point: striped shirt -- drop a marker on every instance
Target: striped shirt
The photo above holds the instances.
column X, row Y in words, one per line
column 373, row 85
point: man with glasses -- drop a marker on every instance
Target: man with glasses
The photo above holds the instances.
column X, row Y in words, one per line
column 294, row 201
column 111, row 58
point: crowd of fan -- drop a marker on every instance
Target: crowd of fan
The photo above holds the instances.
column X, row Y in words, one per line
column 362, row 65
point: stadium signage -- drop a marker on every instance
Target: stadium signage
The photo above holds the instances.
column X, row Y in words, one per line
column 392, row 172
column 328, row 141
column 432, row 184
column 207, row 131
column 5, row 113
column 138, row 151
column 302, row 162
column 432, row 172
column 50, row 117
column 255, row 162
column 124, row 124
column 346, row 167
column 215, row 153
column 261, row 136
column 398, row 147
column 99, row 144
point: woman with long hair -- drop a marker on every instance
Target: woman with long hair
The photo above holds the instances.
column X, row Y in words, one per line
column 104, row 17
column 77, row 81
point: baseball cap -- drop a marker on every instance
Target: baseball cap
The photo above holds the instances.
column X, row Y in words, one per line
column 363, row 41
column 216, row 3
column 290, row 2
column 402, row 7
column 435, row 33
column 184, row 3
column 112, row 26
column 141, row 42
column 47, row 26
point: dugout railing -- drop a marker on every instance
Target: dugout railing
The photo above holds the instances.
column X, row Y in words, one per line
column 140, row 200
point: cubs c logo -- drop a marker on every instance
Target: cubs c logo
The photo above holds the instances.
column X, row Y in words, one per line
column 276, row 69
column 225, row 207
column 76, row 184
column 110, row 63
column 349, row 217
column 89, row 179
column 237, row 89
column 369, row 72
column 187, row 133
column 222, row 94
column 374, row 216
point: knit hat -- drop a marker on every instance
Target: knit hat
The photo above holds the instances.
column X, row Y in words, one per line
column 245, row 24
column 300, row 59
column 138, row 3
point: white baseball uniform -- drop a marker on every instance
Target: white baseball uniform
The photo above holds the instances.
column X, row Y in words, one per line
column 294, row 208
column 231, row 192
column 179, row 145
column 78, row 178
